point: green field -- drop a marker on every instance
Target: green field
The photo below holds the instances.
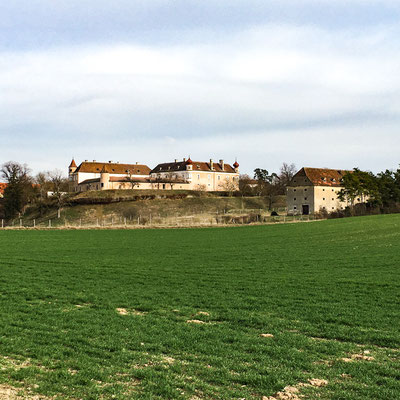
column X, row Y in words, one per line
column 104, row 314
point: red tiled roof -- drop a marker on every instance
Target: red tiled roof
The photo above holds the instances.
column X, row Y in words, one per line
column 196, row 165
column 2, row 187
column 73, row 164
column 319, row 176
column 114, row 168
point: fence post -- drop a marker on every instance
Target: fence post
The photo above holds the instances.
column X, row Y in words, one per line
column 34, row 223
column 80, row 222
column 20, row 223
column 49, row 223
column 97, row 221
column 2, row 223
column 125, row 221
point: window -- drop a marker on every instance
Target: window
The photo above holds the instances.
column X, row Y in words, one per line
column 333, row 208
column 323, row 198
column 333, row 199
column 295, row 199
column 294, row 208
column 305, row 190
column 305, row 198
column 102, row 185
column 323, row 190
column 198, row 176
column 333, row 190
column 294, row 190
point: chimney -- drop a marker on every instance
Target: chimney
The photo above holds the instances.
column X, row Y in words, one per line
column 211, row 164
column 184, row 159
column 176, row 160
column 222, row 164
column 94, row 160
column 86, row 160
column 137, row 162
column 110, row 161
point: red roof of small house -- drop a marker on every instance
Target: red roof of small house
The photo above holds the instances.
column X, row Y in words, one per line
column 3, row 187
column 319, row 177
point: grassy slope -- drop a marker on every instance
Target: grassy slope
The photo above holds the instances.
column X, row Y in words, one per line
column 337, row 280
column 157, row 207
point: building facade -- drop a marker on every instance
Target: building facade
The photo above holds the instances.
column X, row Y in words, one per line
column 178, row 175
column 105, row 176
column 196, row 175
column 316, row 190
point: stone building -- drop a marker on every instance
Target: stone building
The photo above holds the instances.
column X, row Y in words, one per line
column 316, row 189
column 196, row 175
column 104, row 176
column 184, row 175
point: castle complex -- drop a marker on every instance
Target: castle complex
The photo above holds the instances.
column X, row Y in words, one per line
column 184, row 175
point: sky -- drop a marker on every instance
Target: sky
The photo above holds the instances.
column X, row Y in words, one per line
column 314, row 83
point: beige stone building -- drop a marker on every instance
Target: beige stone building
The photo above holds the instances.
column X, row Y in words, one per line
column 196, row 175
column 316, row 189
column 105, row 176
column 178, row 175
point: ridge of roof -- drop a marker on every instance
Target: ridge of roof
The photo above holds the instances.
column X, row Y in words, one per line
column 322, row 176
column 196, row 166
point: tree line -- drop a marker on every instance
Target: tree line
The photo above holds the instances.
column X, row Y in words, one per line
column 24, row 189
column 377, row 192
column 265, row 184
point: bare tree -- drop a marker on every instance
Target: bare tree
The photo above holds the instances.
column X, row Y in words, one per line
column 59, row 186
column 230, row 186
column 245, row 185
column 130, row 179
column 286, row 173
column 19, row 189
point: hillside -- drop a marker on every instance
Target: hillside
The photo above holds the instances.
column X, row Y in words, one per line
column 90, row 207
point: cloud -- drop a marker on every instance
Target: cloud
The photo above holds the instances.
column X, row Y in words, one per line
column 266, row 94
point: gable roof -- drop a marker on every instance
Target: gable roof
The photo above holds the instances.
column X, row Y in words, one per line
column 196, row 166
column 319, row 176
column 113, row 168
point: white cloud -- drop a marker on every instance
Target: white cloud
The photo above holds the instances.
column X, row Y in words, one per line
column 267, row 93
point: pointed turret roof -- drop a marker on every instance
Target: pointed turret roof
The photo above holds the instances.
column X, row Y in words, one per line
column 73, row 164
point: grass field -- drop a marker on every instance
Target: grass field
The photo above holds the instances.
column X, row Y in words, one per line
column 284, row 311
